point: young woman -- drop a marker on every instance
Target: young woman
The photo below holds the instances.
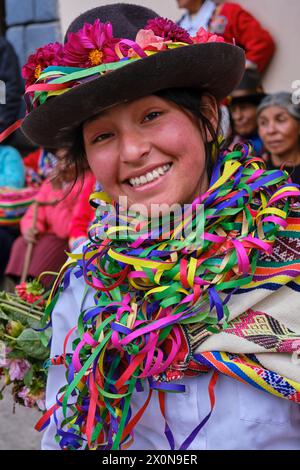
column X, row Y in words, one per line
column 167, row 331
column 279, row 128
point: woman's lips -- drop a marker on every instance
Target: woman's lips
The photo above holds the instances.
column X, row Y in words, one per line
column 274, row 143
column 150, row 184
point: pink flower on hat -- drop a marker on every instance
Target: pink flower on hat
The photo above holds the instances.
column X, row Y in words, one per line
column 50, row 54
column 146, row 39
column 168, row 30
column 92, row 45
column 204, row 36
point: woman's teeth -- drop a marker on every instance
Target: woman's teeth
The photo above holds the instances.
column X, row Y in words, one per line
column 151, row 176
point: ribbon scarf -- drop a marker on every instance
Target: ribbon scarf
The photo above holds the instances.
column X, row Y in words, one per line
column 149, row 282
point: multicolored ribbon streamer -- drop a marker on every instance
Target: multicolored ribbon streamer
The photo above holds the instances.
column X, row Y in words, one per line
column 56, row 80
column 148, row 287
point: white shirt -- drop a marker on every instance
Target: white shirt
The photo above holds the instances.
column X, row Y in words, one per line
column 192, row 23
column 243, row 418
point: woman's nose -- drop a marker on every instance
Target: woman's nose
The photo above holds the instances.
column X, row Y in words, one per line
column 134, row 146
column 271, row 128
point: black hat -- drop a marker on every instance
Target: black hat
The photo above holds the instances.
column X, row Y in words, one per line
column 249, row 90
column 215, row 67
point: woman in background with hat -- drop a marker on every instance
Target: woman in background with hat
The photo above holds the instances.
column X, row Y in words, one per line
column 244, row 100
column 147, row 308
column 279, row 129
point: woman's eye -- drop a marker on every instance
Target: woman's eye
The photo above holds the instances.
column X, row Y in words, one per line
column 152, row 115
column 102, row 137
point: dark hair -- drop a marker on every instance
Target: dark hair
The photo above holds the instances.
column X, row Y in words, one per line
column 186, row 98
column 191, row 100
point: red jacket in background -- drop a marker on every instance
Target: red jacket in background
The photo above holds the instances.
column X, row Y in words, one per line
column 234, row 23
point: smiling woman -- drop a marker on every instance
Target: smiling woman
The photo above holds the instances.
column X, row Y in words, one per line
column 142, row 140
column 203, row 308
column 142, row 150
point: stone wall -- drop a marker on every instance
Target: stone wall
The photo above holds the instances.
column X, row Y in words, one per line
column 31, row 24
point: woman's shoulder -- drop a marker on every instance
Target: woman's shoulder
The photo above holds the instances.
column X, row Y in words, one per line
column 75, row 190
column 46, row 191
column 230, row 10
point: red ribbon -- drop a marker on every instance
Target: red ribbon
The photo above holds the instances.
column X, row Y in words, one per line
column 10, row 130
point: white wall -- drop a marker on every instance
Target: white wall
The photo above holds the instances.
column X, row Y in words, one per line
column 69, row 9
column 281, row 17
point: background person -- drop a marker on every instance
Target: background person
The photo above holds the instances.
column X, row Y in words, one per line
column 12, row 176
column 83, row 213
column 10, row 76
column 57, row 200
column 233, row 23
column 279, row 129
column 243, row 102
column 12, row 171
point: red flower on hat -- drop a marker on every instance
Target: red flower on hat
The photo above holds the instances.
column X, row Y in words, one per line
column 92, row 45
column 51, row 54
column 168, row 30
column 204, row 36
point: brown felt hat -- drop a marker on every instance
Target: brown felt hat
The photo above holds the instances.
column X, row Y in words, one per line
column 214, row 67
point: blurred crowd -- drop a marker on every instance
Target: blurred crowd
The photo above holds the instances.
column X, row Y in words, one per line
column 44, row 206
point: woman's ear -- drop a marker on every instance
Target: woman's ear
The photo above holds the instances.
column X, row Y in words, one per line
column 209, row 108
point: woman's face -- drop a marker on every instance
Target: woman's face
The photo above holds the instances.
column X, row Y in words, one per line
column 148, row 150
column 244, row 118
column 278, row 130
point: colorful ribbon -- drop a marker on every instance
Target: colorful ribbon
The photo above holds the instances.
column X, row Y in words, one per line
column 147, row 287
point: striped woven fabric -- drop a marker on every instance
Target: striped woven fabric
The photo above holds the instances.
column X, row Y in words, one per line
column 246, row 369
column 14, row 203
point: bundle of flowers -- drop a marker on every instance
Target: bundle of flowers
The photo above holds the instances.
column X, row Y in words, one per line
column 24, row 344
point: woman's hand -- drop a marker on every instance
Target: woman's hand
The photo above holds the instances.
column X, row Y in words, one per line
column 30, row 235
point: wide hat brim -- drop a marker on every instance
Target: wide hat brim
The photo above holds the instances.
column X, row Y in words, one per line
column 214, row 67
